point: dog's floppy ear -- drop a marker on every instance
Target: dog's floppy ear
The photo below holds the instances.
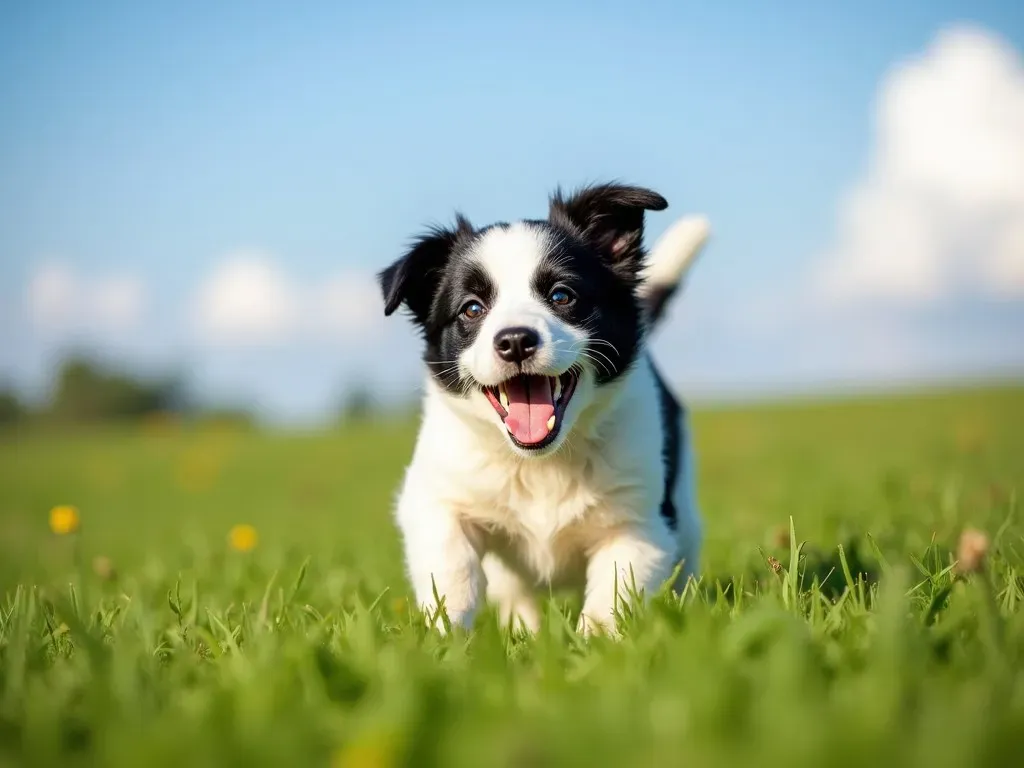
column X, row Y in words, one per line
column 611, row 218
column 414, row 278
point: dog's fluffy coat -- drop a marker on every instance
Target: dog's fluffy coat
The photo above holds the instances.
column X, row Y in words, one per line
column 551, row 453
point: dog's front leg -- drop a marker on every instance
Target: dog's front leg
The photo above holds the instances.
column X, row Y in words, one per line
column 627, row 559
column 440, row 558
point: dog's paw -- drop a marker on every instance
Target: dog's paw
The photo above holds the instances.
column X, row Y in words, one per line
column 590, row 625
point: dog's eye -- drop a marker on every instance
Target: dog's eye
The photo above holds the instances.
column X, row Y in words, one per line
column 561, row 297
column 472, row 310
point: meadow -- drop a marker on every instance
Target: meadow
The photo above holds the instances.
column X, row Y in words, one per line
column 175, row 595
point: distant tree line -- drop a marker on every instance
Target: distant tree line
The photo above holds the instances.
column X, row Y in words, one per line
column 87, row 391
column 11, row 408
column 360, row 404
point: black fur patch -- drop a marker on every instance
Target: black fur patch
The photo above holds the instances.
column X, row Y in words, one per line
column 604, row 306
column 657, row 300
column 672, row 445
column 610, row 219
column 435, row 279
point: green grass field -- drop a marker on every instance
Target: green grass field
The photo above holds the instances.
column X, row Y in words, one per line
column 862, row 646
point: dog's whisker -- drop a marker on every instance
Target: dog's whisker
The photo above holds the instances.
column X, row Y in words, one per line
column 448, row 369
column 603, row 355
column 596, row 362
column 614, row 349
column 451, row 375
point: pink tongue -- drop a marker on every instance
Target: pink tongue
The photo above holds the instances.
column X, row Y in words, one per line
column 529, row 408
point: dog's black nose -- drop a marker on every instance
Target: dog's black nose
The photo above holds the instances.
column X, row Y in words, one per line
column 514, row 345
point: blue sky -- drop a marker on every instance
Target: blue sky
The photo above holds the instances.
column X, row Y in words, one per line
column 172, row 171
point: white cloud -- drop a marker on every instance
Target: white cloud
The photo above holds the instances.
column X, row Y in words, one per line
column 246, row 298
column 60, row 301
column 249, row 300
column 51, row 296
column 118, row 302
column 349, row 303
column 941, row 208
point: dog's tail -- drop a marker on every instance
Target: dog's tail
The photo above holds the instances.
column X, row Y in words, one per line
column 669, row 263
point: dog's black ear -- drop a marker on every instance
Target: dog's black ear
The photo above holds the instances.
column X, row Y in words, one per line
column 414, row 278
column 611, row 218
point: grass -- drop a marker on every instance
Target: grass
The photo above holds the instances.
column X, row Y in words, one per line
column 831, row 626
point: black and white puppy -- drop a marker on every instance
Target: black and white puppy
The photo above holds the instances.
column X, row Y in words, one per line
column 551, row 453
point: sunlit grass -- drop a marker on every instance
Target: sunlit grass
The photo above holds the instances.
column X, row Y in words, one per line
column 843, row 617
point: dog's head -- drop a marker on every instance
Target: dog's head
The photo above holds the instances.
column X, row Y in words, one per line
column 524, row 323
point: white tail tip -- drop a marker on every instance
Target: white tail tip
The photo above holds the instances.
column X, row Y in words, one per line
column 675, row 251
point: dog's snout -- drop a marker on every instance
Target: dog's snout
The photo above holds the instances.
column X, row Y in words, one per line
column 515, row 345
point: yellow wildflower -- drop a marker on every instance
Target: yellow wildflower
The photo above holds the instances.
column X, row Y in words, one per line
column 243, row 538
column 63, row 519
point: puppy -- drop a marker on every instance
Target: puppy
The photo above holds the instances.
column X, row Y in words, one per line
column 551, row 452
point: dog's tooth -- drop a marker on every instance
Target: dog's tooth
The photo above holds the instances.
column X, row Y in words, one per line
column 551, row 422
column 556, row 390
column 503, row 396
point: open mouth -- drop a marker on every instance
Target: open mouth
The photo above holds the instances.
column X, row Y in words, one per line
column 531, row 407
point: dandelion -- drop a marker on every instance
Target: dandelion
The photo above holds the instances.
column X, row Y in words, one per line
column 972, row 550
column 63, row 520
column 243, row 538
